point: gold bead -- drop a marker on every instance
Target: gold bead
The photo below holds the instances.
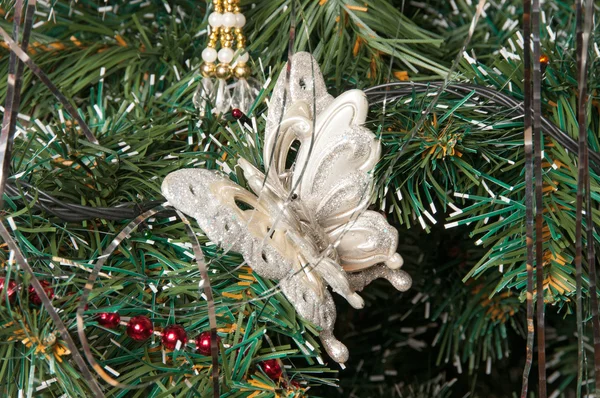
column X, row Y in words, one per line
column 223, row 71
column 241, row 71
column 207, row 69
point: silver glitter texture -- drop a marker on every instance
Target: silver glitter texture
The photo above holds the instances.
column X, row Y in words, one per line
column 307, row 227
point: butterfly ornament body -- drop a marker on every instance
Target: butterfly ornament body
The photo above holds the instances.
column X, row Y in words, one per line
column 306, row 226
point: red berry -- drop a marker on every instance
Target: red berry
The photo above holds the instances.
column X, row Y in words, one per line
column 236, row 113
column 203, row 343
column 272, row 368
column 33, row 296
column 172, row 335
column 12, row 290
column 109, row 320
column 140, row 328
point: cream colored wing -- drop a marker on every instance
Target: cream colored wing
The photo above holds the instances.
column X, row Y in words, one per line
column 332, row 176
column 237, row 220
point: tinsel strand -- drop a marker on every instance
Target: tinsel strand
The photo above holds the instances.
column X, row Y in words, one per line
column 46, row 80
column 212, row 315
column 421, row 121
column 584, row 29
column 528, row 142
column 87, row 350
column 13, row 93
column 62, row 329
column 539, row 217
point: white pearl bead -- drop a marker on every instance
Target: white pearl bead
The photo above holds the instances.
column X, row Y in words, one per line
column 215, row 19
column 225, row 55
column 209, row 54
column 228, row 19
column 242, row 58
column 240, row 20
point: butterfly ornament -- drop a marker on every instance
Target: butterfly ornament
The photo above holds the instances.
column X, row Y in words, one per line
column 306, row 225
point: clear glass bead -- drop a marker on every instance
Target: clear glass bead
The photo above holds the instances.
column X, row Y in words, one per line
column 222, row 98
column 244, row 95
column 204, row 94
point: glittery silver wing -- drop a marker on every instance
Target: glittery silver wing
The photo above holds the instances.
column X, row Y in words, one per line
column 332, row 174
column 231, row 217
column 237, row 220
column 298, row 94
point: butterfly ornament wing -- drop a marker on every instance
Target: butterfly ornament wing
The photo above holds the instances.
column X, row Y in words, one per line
column 307, row 225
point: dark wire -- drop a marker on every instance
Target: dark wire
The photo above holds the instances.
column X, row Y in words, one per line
column 397, row 90
column 22, row 190
column 72, row 212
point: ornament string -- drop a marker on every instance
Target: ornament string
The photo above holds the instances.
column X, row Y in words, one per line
column 528, row 143
column 584, row 22
column 292, row 34
column 435, row 99
column 86, row 292
column 355, row 214
column 353, row 217
column 62, row 329
column 46, row 80
column 276, row 289
column 13, row 92
column 270, row 163
column 212, row 315
column 389, row 75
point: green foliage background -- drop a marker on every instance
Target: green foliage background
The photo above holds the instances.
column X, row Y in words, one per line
column 459, row 330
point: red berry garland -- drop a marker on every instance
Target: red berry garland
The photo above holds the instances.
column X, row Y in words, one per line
column 12, row 290
column 33, row 296
column 173, row 334
column 272, row 368
column 173, row 337
column 140, row 328
column 203, row 343
column 109, row 320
